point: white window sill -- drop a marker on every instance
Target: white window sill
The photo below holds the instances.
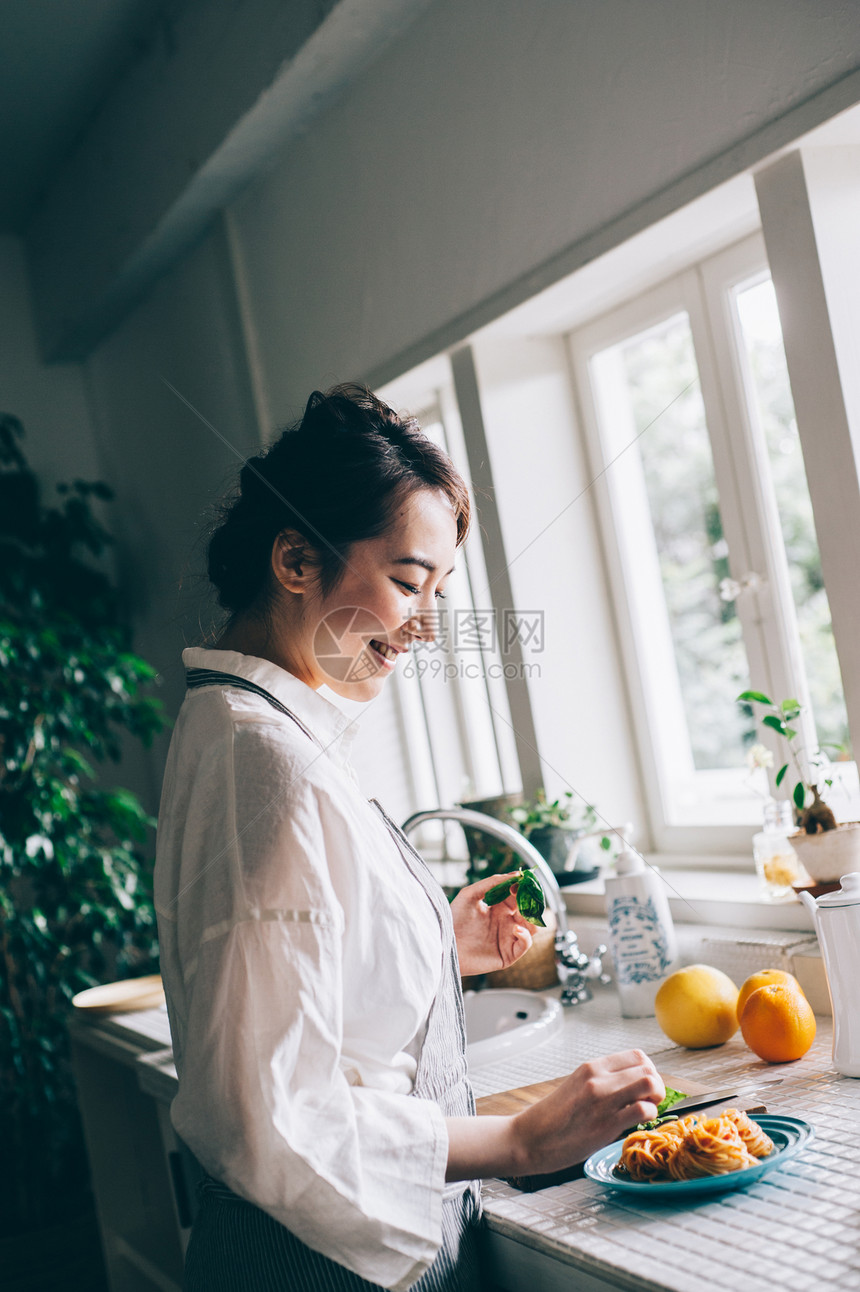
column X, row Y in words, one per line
column 728, row 898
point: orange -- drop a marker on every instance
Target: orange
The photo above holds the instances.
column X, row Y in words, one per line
column 778, row 1024
column 697, row 1007
column 765, row 978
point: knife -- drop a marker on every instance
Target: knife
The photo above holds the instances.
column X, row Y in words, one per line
column 718, row 1096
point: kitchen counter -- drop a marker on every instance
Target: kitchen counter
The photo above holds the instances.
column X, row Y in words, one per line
column 797, row 1227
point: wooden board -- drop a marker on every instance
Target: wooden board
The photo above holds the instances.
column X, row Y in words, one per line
column 508, row 1102
column 122, row 997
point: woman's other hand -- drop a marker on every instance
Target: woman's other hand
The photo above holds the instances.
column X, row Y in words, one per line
column 488, row 937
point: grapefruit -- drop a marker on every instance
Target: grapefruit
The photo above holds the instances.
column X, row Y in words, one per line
column 697, row 1007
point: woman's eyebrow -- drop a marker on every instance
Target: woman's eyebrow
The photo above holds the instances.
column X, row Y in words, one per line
column 418, row 560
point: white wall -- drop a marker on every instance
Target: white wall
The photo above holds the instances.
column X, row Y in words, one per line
column 166, row 465
column 541, row 476
column 502, row 143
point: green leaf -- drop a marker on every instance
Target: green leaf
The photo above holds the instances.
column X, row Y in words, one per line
column 606, row 843
column 777, row 724
column 799, row 795
column 530, row 899
column 788, row 705
column 755, row 696
column 668, row 1101
column 780, row 775
column 500, row 891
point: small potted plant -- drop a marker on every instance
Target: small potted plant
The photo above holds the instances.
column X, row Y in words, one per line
column 827, row 849
column 554, row 830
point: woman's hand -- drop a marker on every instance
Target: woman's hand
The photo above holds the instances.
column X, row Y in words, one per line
column 488, row 937
column 590, row 1109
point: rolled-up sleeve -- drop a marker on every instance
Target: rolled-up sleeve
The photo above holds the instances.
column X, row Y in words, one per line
column 266, row 1102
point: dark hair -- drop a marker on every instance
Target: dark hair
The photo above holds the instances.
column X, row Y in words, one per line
column 336, row 476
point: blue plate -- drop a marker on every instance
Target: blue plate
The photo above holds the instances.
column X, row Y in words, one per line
column 789, row 1135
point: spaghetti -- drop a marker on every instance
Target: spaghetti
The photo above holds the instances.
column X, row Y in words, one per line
column 695, row 1146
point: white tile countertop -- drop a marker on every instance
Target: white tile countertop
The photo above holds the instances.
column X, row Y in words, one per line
column 797, row 1227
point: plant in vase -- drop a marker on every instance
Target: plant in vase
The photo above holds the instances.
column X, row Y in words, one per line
column 826, row 848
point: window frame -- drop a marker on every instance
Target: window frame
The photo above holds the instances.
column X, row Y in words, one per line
column 748, row 512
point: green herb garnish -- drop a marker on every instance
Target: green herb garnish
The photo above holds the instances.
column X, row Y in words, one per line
column 530, row 899
column 668, row 1101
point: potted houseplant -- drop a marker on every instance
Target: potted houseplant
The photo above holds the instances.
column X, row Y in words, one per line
column 826, row 848
column 75, row 900
column 554, row 829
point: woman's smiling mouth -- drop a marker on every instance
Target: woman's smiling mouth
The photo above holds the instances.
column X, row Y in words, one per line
column 388, row 653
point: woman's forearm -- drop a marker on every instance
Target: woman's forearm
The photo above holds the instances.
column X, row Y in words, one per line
column 481, row 1147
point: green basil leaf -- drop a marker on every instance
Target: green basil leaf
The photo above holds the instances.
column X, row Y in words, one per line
column 500, row 891
column 530, row 899
column 670, row 1098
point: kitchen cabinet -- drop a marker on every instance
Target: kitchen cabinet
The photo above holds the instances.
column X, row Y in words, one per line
column 143, row 1180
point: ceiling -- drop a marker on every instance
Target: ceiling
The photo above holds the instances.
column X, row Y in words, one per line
column 58, row 60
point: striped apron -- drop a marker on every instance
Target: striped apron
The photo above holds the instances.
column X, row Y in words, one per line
column 237, row 1247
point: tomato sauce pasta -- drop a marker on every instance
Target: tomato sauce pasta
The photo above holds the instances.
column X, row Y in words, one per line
column 694, row 1146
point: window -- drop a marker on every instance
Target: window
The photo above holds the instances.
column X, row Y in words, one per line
column 450, row 693
column 709, row 531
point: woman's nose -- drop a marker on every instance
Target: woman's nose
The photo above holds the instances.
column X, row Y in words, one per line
column 422, row 624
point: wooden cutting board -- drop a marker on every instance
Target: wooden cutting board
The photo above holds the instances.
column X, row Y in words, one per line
column 509, row 1102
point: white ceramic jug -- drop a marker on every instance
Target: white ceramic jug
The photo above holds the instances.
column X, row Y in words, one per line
column 837, row 923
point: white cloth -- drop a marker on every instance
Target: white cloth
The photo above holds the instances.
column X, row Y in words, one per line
column 300, row 959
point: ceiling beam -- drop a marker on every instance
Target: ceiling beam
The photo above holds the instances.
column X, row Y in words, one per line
column 220, row 90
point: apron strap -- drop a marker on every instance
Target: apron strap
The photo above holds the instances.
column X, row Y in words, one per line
column 198, row 677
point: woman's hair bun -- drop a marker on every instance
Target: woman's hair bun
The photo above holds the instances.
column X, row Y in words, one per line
column 335, row 477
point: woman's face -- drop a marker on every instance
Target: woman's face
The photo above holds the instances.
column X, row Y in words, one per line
column 353, row 638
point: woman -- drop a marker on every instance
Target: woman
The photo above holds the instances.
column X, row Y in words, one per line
column 311, row 962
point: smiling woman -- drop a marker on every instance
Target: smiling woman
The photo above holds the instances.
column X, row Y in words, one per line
column 311, row 962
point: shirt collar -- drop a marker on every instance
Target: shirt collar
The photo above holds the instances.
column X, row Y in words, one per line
column 333, row 729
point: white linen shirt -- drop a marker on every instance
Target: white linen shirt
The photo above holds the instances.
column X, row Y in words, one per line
column 300, row 960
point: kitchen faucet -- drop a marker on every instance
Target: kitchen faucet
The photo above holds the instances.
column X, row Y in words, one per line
column 575, row 969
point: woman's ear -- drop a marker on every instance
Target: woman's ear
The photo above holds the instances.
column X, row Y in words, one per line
column 293, row 562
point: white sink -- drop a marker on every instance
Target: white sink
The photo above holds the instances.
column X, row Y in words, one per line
column 507, row 1022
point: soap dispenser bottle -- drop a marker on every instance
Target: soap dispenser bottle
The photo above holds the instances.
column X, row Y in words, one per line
column 641, row 933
